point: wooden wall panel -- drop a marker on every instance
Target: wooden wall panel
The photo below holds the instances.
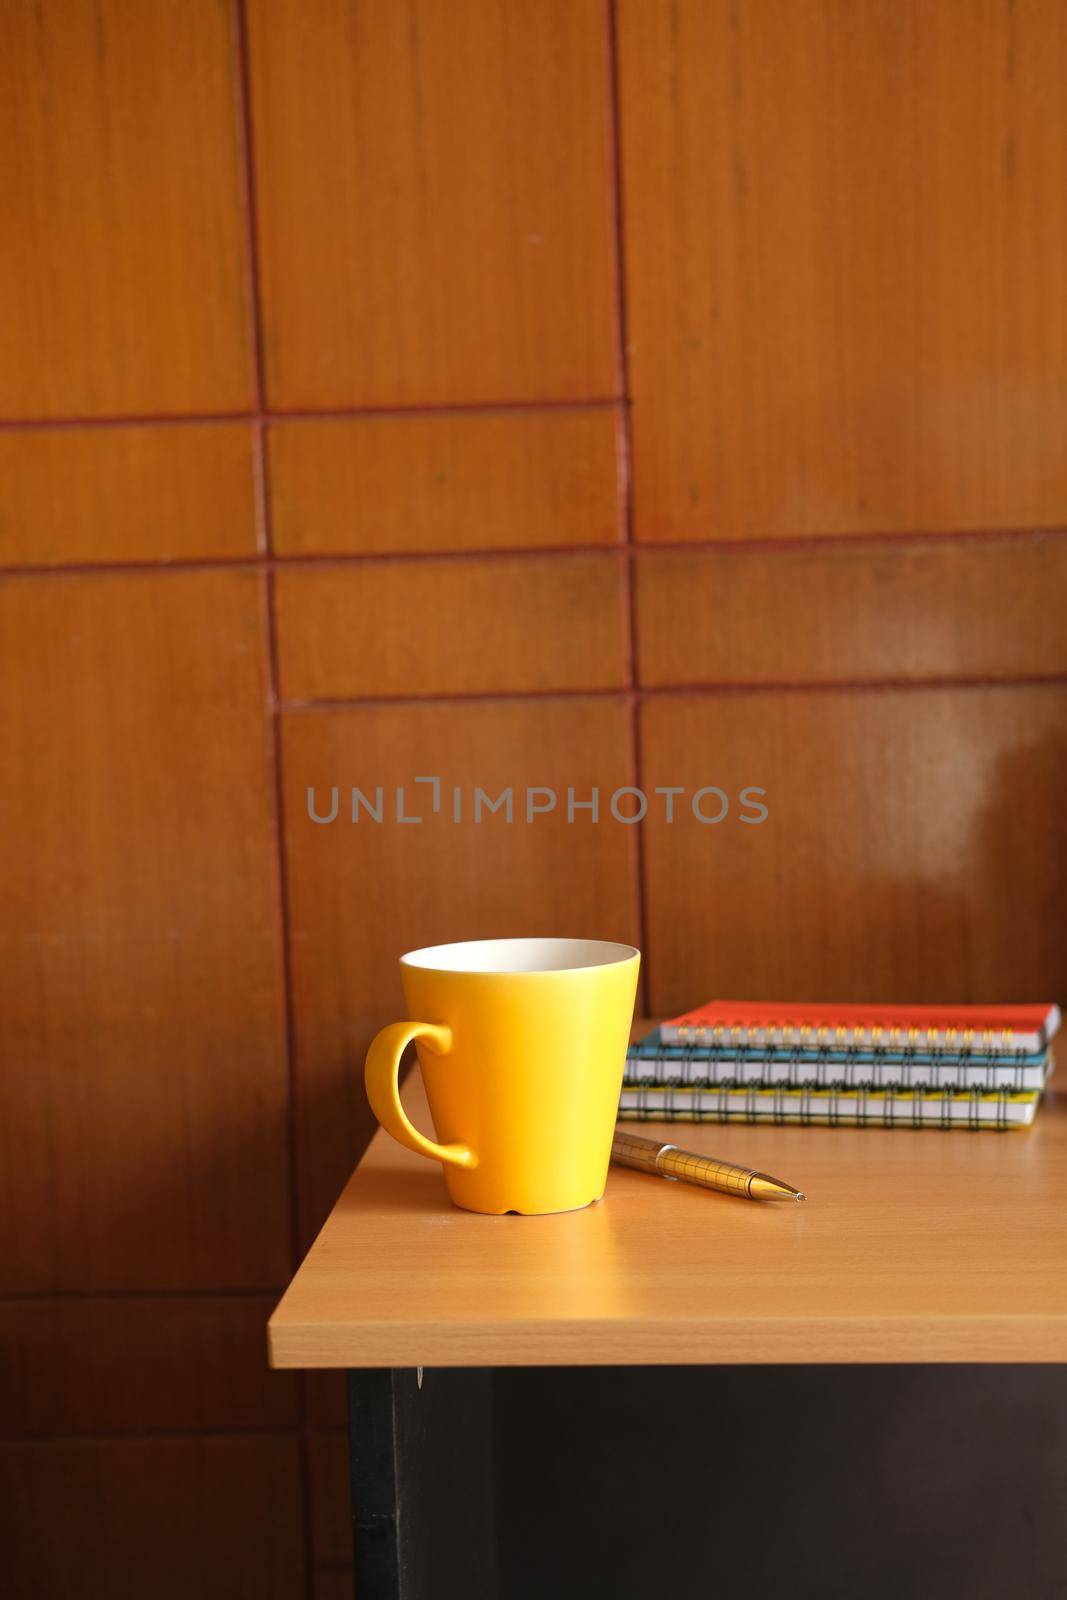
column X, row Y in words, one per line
column 76, row 1366
column 446, row 627
column 144, row 1132
column 362, row 894
column 331, row 1516
column 913, row 848
column 844, row 222
column 333, row 1584
column 327, row 1401
column 434, row 201
column 126, row 494
column 821, row 612
column 216, row 1517
column 123, row 273
column 446, row 481
column 844, row 228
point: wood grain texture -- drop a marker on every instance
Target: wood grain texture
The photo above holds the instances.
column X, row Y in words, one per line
column 144, row 1134
column 138, row 1366
column 446, row 627
column 126, row 494
column 844, row 228
column 123, row 275
column 331, row 1515
column 361, row 894
column 913, row 849
column 889, row 1260
column 454, row 481
column 825, row 612
column 434, row 201
column 214, row 1516
column 327, row 1401
column 334, row 1583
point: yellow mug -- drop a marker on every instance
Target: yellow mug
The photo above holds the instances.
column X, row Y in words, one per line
column 522, row 1045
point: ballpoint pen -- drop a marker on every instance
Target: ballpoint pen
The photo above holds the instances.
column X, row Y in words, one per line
column 651, row 1155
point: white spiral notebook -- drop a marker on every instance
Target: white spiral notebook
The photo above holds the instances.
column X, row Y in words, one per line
column 832, row 1105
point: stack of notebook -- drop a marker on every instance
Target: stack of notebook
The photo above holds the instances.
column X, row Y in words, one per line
column 946, row 1066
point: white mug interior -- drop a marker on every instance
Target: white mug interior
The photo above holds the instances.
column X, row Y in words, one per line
column 519, row 955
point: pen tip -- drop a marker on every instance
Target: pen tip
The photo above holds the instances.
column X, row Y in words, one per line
column 763, row 1187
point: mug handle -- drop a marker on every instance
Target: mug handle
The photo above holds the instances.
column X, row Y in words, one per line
column 382, row 1075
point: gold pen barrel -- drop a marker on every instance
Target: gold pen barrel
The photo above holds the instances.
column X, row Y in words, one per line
column 631, row 1150
column 687, row 1166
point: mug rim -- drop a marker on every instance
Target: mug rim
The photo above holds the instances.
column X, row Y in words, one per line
column 432, row 957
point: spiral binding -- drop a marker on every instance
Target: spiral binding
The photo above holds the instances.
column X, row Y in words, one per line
column 879, row 1036
column 836, row 1104
column 692, row 1065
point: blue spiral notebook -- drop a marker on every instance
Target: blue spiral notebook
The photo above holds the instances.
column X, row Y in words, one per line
column 656, row 1061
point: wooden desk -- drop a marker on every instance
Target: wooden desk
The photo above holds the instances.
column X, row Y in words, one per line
column 913, row 1247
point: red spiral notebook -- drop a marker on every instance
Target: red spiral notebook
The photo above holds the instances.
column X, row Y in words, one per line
column 989, row 1028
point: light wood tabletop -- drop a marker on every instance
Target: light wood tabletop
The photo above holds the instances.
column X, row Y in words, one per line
column 914, row 1245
